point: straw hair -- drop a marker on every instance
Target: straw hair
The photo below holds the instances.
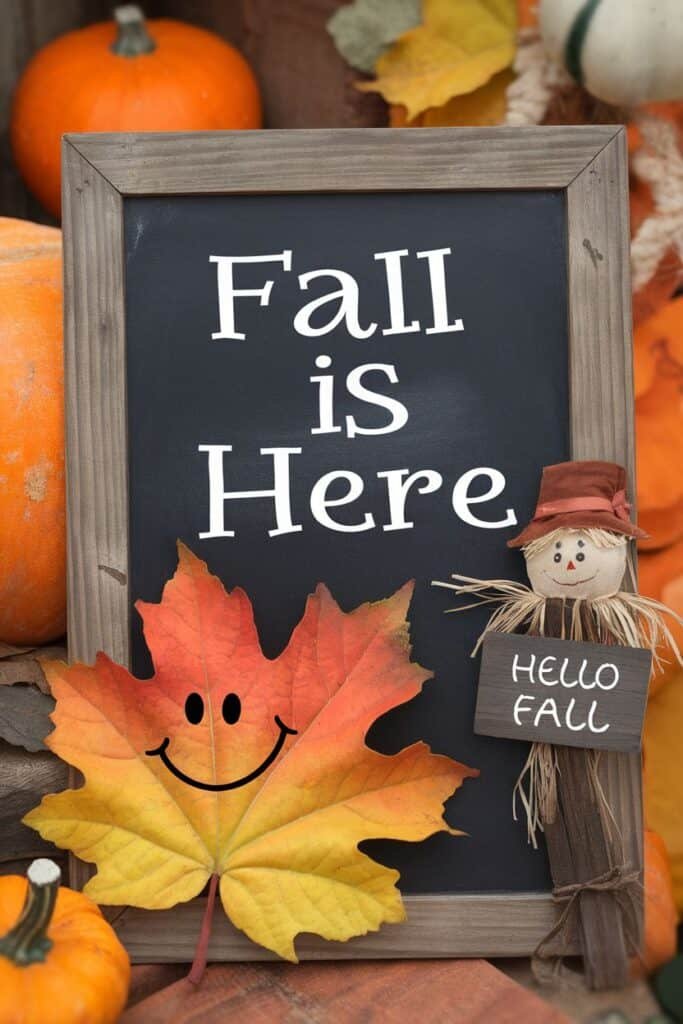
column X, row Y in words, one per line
column 625, row 618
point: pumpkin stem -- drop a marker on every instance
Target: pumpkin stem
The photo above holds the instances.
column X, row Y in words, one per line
column 133, row 38
column 200, row 954
column 27, row 942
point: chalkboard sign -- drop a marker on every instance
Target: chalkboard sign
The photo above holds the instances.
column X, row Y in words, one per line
column 345, row 357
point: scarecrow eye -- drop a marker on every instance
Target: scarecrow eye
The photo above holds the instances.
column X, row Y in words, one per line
column 581, row 543
column 580, row 557
column 558, row 544
column 232, row 708
column 557, row 557
column 194, row 709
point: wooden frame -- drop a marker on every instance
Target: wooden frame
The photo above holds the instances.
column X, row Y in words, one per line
column 588, row 163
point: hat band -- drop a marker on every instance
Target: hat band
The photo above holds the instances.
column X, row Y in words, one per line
column 617, row 506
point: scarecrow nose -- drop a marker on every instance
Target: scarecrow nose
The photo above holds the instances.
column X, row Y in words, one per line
column 570, row 565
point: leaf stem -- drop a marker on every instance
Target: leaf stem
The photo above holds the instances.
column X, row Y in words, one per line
column 199, row 963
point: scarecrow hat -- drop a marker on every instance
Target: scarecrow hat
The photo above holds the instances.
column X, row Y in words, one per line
column 580, row 495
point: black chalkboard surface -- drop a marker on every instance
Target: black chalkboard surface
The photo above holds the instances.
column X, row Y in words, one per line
column 493, row 395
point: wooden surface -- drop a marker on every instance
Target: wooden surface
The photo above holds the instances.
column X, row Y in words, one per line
column 470, row 925
column 430, row 991
column 621, row 708
column 601, row 377
column 96, row 478
column 357, row 160
column 378, row 996
column 579, row 851
column 591, row 161
column 24, row 779
column 94, row 363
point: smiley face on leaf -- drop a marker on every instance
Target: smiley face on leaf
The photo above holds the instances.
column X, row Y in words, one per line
column 256, row 771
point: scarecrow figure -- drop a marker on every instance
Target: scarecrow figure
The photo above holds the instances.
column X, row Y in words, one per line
column 577, row 558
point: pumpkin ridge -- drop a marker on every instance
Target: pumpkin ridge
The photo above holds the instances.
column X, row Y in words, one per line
column 577, row 37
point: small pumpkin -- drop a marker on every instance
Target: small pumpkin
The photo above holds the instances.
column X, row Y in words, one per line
column 624, row 53
column 125, row 75
column 661, row 916
column 32, row 517
column 60, row 961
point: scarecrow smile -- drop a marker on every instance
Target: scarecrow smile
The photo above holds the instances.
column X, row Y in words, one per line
column 573, row 583
column 219, row 787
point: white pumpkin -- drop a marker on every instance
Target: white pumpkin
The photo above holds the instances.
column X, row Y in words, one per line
column 622, row 51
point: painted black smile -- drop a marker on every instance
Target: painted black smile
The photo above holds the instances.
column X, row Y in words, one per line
column 574, row 583
column 220, row 787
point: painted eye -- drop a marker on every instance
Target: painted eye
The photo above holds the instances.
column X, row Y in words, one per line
column 232, row 708
column 557, row 557
column 558, row 544
column 581, row 543
column 194, row 709
column 580, row 557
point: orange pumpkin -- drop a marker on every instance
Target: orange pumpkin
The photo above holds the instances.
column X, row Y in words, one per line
column 125, row 76
column 661, row 917
column 32, row 526
column 60, row 961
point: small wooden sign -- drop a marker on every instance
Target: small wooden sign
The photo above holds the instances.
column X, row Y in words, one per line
column 563, row 692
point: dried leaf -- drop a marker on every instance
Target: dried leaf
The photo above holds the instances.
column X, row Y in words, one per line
column 485, row 106
column 362, row 31
column 457, row 49
column 663, row 779
column 23, row 668
column 24, row 716
column 660, row 575
column 10, row 651
column 228, row 764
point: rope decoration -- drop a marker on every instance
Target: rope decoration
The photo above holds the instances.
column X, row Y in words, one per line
column 621, row 880
column 538, row 78
column 659, row 164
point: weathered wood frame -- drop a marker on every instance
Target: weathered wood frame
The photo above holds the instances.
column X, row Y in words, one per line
column 588, row 163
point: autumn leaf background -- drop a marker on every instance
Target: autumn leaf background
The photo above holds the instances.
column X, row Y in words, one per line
column 285, row 845
column 451, row 67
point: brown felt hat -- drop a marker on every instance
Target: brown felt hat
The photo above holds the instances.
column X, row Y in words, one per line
column 580, row 495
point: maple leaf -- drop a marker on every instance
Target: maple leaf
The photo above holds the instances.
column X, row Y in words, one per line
column 227, row 764
column 457, row 49
column 364, row 29
column 485, row 106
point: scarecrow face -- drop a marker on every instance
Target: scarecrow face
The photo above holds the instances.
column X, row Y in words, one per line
column 572, row 565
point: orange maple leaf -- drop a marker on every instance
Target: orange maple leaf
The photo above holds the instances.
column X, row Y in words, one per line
column 228, row 765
